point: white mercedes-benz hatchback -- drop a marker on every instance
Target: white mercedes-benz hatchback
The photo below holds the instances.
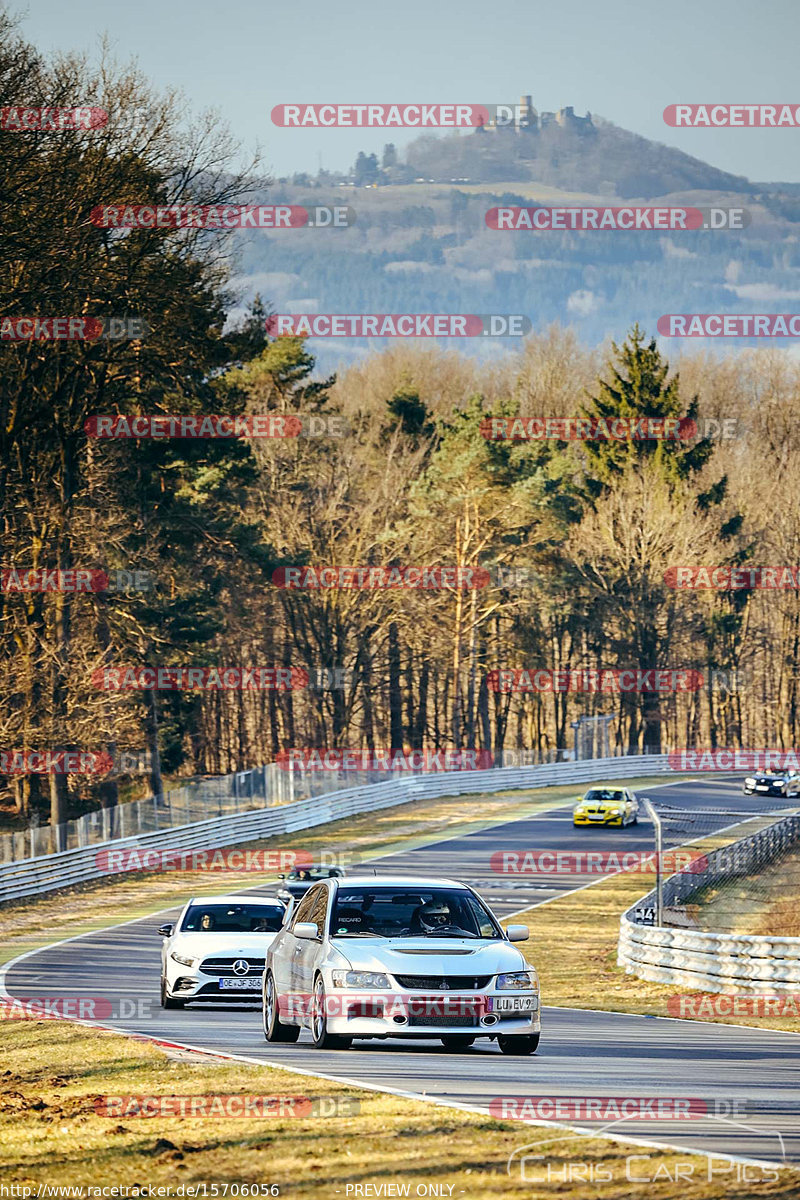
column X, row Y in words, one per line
column 376, row 957
column 216, row 949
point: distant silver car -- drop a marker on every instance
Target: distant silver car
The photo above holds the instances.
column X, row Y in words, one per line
column 216, row 949
column 300, row 879
column 390, row 956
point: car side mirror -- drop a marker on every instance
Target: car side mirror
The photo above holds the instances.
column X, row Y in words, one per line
column 166, row 930
column 518, row 933
column 306, row 930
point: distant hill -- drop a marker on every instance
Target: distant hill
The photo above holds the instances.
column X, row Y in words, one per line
column 573, row 153
column 420, row 242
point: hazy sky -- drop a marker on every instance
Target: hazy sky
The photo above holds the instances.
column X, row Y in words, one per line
column 623, row 59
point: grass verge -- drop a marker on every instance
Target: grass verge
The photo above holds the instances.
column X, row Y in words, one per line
column 764, row 903
column 54, row 1074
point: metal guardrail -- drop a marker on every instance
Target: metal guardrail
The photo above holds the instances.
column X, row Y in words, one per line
column 715, row 962
column 34, row 876
column 220, row 795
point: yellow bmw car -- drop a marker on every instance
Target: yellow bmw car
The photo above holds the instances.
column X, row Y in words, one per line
column 606, row 806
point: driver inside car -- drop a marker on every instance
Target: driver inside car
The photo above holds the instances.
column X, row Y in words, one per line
column 433, row 917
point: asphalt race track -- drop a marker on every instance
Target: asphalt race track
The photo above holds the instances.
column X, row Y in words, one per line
column 748, row 1077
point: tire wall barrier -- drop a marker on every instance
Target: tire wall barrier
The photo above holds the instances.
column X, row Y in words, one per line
column 715, row 962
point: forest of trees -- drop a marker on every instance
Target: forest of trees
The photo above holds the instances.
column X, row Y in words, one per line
column 591, row 528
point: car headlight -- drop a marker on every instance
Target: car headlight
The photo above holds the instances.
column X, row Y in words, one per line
column 185, row 962
column 515, row 981
column 360, row 979
column 750, row 782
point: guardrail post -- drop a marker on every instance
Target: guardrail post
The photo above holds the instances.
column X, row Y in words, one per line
column 654, row 817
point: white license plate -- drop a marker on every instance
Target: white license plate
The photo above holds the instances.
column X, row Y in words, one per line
column 240, row 985
column 762, row 787
column 523, row 1004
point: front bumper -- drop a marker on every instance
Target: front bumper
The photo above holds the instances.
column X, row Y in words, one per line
column 606, row 819
column 412, row 1014
column 195, row 985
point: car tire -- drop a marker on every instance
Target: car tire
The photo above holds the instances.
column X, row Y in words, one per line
column 319, row 1022
column 518, row 1045
column 168, row 1001
column 274, row 1029
column 457, row 1041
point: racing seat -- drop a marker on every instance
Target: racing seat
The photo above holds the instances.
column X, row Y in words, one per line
column 355, row 920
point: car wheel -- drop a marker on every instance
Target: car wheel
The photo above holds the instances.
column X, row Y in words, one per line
column 274, row 1029
column 457, row 1041
column 319, row 1022
column 518, row 1045
column 168, row 1001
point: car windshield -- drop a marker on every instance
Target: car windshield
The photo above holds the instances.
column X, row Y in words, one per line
column 233, row 918
column 311, row 874
column 601, row 794
column 410, row 912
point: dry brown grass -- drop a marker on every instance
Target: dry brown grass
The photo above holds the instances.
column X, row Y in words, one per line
column 50, row 1133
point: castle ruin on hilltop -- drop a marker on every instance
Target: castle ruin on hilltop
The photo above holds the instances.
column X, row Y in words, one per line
column 527, row 119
